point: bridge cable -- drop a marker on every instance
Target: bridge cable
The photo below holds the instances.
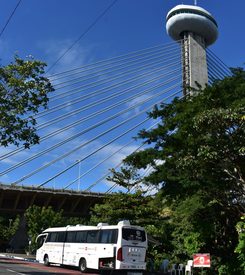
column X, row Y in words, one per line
column 101, row 90
column 107, row 70
column 215, row 67
column 94, row 114
column 83, row 119
column 218, row 60
column 11, row 15
column 98, row 164
column 112, row 187
column 135, row 53
column 108, row 173
column 108, row 98
column 88, row 142
column 118, row 76
column 103, row 161
column 86, row 130
column 147, row 171
column 95, row 151
column 213, row 73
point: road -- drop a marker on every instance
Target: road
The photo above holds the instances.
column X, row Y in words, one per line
column 19, row 267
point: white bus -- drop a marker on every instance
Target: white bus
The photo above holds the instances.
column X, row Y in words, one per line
column 102, row 247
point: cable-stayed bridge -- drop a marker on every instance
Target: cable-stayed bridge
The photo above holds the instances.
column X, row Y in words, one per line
column 93, row 115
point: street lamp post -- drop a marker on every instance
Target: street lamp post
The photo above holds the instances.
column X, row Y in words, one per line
column 79, row 173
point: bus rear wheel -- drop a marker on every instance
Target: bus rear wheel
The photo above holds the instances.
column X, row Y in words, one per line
column 46, row 260
column 83, row 265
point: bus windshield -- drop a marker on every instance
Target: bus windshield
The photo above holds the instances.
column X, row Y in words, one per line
column 40, row 240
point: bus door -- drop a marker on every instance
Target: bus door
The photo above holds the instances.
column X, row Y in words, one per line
column 55, row 246
column 73, row 249
column 40, row 241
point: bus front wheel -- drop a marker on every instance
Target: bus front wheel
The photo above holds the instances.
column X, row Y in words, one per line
column 83, row 265
column 46, row 260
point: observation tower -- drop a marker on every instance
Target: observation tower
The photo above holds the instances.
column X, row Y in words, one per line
column 197, row 29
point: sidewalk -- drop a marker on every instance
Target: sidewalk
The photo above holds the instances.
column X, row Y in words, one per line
column 23, row 257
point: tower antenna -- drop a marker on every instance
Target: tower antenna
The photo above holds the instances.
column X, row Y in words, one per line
column 195, row 2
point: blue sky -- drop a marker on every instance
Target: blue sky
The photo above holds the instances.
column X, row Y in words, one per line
column 46, row 28
column 38, row 27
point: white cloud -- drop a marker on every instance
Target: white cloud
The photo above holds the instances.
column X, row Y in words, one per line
column 73, row 58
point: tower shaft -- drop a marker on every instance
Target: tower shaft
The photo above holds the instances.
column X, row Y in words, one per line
column 194, row 62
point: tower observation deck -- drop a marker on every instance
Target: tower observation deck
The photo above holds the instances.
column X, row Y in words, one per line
column 198, row 29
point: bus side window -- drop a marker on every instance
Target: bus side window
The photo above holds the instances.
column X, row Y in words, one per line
column 48, row 238
column 114, row 236
column 81, row 237
column 71, row 237
column 108, row 236
column 93, row 236
column 52, row 237
column 60, row 237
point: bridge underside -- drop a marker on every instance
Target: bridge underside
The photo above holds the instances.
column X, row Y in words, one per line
column 15, row 200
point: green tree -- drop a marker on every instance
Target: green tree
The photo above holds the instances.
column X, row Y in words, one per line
column 127, row 177
column 8, row 228
column 240, row 249
column 23, row 91
column 40, row 218
column 120, row 206
column 197, row 152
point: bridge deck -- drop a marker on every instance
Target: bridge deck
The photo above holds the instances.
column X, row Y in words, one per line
column 16, row 199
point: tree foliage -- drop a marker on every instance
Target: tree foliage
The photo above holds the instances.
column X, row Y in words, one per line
column 200, row 145
column 127, row 177
column 120, row 206
column 23, row 91
column 8, row 228
column 240, row 249
column 40, row 218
